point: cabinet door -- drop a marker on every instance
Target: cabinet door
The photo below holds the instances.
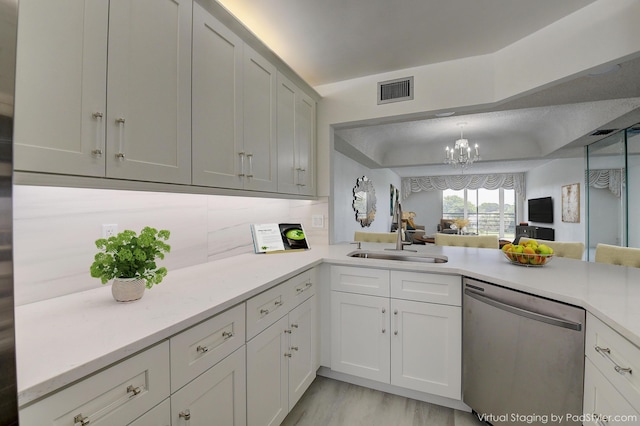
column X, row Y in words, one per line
column 302, row 347
column 603, row 404
column 158, row 416
column 149, row 90
column 61, row 78
column 217, row 102
column 219, row 393
column 259, row 118
column 374, row 282
column 360, row 335
column 306, row 144
column 267, row 382
column 426, row 347
column 296, row 139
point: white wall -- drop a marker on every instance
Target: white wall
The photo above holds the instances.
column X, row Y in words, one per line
column 427, row 206
column 55, row 229
column 345, row 173
column 602, row 32
column 547, row 180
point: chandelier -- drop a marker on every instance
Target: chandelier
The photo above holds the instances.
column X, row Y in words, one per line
column 460, row 154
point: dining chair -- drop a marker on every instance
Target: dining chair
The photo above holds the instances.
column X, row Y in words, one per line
column 569, row 249
column 481, row 241
column 616, row 255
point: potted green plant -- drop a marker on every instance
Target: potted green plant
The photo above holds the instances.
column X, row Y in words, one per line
column 130, row 261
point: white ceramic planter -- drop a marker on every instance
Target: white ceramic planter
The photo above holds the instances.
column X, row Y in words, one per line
column 127, row 289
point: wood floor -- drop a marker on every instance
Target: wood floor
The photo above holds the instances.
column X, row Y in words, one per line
column 329, row 402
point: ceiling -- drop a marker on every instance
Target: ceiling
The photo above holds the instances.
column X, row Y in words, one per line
column 335, row 40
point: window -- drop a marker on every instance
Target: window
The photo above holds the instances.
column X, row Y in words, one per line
column 489, row 211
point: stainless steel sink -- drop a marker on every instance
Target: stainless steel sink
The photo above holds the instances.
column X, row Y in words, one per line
column 399, row 255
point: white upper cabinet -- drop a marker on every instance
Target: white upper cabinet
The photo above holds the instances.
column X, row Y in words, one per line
column 217, row 102
column 234, row 110
column 149, row 90
column 61, row 78
column 259, row 93
column 296, row 139
column 128, row 119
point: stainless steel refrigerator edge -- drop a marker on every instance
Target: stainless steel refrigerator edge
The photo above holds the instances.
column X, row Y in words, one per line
column 8, row 387
column 523, row 356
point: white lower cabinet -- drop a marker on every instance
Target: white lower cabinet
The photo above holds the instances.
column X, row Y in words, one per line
column 360, row 342
column 407, row 343
column 117, row 395
column 281, row 365
column 218, row 395
column 426, row 345
column 611, row 385
column 160, row 415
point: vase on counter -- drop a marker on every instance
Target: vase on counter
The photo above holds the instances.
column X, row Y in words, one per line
column 127, row 289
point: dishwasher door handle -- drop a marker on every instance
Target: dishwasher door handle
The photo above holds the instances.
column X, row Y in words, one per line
column 523, row 312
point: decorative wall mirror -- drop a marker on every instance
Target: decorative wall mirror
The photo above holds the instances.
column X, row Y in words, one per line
column 364, row 201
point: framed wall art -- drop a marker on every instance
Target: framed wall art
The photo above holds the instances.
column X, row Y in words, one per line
column 571, row 203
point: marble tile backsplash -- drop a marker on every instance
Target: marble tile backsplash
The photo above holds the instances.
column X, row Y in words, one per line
column 55, row 229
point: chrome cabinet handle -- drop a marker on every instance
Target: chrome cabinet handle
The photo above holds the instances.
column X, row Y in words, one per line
column 135, row 391
column 264, row 311
column 83, row 420
column 250, row 158
column 307, row 286
column 227, row 334
column 294, row 348
column 395, row 315
column 299, row 180
column 120, row 122
column 384, row 330
column 287, row 355
column 202, row 349
column 186, row 414
column 241, row 154
column 294, row 325
column 278, row 303
column 606, row 352
column 99, row 134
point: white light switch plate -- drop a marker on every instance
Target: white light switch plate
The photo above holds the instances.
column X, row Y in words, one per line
column 317, row 221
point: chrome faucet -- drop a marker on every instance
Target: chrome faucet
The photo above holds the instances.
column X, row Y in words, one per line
column 398, row 218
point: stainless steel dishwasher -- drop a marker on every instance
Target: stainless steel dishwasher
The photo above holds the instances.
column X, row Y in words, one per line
column 523, row 357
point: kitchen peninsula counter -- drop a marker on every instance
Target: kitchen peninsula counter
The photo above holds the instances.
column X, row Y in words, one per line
column 61, row 340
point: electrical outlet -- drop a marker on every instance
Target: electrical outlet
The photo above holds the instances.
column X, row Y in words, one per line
column 317, row 221
column 109, row 230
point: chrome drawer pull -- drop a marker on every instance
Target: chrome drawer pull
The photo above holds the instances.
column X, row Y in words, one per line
column 287, row 355
column 186, row 414
column 241, row 154
column 264, row 311
column 277, row 303
column 227, row 334
column 294, row 348
column 294, row 325
column 606, row 352
column 307, row 286
column 135, row 390
column 202, row 349
column 83, row 420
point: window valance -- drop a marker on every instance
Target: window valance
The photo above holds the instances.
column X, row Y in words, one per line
column 515, row 181
column 611, row 179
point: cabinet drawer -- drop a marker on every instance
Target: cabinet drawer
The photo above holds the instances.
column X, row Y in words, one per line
column 267, row 308
column 301, row 287
column 374, row 282
column 425, row 287
column 602, row 402
column 197, row 349
column 612, row 354
column 115, row 396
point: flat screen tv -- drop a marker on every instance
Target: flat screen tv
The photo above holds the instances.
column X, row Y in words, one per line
column 541, row 210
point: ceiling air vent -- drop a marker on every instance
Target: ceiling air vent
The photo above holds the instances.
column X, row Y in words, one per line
column 603, row 132
column 395, row 90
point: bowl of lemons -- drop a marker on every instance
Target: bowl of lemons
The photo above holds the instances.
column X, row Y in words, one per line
column 528, row 254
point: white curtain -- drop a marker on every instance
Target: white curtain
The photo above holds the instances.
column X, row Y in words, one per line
column 611, row 179
column 515, row 181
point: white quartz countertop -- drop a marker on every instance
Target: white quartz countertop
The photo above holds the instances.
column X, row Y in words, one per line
column 61, row 340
